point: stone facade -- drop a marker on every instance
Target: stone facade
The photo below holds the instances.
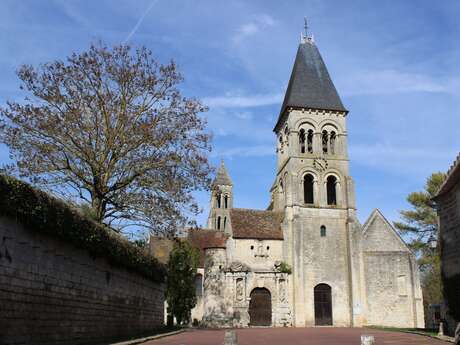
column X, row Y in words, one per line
column 448, row 201
column 308, row 252
column 52, row 292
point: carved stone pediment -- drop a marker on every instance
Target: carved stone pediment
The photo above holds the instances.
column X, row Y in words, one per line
column 237, row 266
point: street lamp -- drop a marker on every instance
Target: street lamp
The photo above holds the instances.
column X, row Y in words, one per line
column 432, row 242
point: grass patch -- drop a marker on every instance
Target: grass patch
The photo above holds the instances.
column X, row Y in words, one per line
column 421, row 331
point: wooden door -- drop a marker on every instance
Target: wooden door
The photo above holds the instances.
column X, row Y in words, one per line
column 323, row 305
column 260, row 308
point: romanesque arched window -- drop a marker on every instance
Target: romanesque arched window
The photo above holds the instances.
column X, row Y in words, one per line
column 302, row 140
column 308, row 189
column 225, row 222
column 310, row 141
column 331, row 190
column 332, row 139
column 324, row 141
column 218, row 223
column 218, row 200
column 322, row 231
column 226, row 201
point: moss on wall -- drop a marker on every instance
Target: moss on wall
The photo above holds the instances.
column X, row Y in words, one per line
column 42, row 213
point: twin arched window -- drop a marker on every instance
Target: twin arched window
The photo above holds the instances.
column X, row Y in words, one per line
column 328, row 140
column 309, row 194
column 219, row 222
column 306, row 141
column 219, row 201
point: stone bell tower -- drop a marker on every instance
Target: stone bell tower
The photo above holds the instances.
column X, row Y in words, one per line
column 315, row 191
column 221, row 201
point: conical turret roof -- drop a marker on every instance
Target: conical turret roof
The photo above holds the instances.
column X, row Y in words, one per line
column 222, row 177
column 310, row 85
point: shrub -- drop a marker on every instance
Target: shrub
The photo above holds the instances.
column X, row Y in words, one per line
column 37, row 211
column 283, row 267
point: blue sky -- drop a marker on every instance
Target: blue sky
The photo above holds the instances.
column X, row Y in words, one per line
column 394, row 63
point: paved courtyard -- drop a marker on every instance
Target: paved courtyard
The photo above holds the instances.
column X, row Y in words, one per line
column 297, row 336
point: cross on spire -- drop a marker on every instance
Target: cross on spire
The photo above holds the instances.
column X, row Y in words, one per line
column 304, row 36
column 305, row 26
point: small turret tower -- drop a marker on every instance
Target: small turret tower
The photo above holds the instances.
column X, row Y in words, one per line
column 221, row 201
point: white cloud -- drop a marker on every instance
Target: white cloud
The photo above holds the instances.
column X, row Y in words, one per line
column 245, row 151
column 401, row 159
column 235, row 101
column 392, row 81
column 74, row 13
column 259, row 23
column 244, row 115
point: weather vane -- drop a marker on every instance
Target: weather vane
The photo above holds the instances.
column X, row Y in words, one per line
column 304, row 37
column 305, row 26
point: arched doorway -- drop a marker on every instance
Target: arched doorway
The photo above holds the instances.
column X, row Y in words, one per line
column 323, row 305
column 260, row 307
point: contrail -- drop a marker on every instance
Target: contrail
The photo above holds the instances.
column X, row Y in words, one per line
column 139, row 22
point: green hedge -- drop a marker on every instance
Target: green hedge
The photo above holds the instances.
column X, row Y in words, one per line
column 39, row 212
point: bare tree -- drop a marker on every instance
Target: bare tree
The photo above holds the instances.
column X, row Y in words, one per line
column 110, row 128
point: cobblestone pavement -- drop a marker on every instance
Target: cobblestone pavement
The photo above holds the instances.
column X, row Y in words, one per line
column 296, row 336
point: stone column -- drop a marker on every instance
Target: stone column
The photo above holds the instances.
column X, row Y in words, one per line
column 317, row 143
column 338, row 194
column 316, row 196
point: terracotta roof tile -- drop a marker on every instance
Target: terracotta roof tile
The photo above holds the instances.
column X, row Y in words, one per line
column 258, row 224
column 161, row 247
column 453, row 176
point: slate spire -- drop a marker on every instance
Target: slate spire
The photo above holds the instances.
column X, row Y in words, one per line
column 310, row 85
column 222, row 177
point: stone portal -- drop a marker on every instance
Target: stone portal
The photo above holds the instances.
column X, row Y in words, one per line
column 323, row 305
column 260, row 308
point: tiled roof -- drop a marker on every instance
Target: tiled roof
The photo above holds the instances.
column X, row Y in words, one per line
column 161, row 247
column 258, row 224
column 310, row 85
column 206, row 238
column 453, row 177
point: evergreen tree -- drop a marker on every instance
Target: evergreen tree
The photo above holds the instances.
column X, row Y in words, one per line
column 420, row 227
column 180, row 290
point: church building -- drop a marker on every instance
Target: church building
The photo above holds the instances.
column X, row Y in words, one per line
column 306, row 260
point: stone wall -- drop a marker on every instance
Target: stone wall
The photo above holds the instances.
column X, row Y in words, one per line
column 392, row 283
column 54, row 293
column 449, row 218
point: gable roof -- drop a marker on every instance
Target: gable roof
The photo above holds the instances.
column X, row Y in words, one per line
column 452, row 178
column 257, row 224
column 380, row 246
column 310, row 85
